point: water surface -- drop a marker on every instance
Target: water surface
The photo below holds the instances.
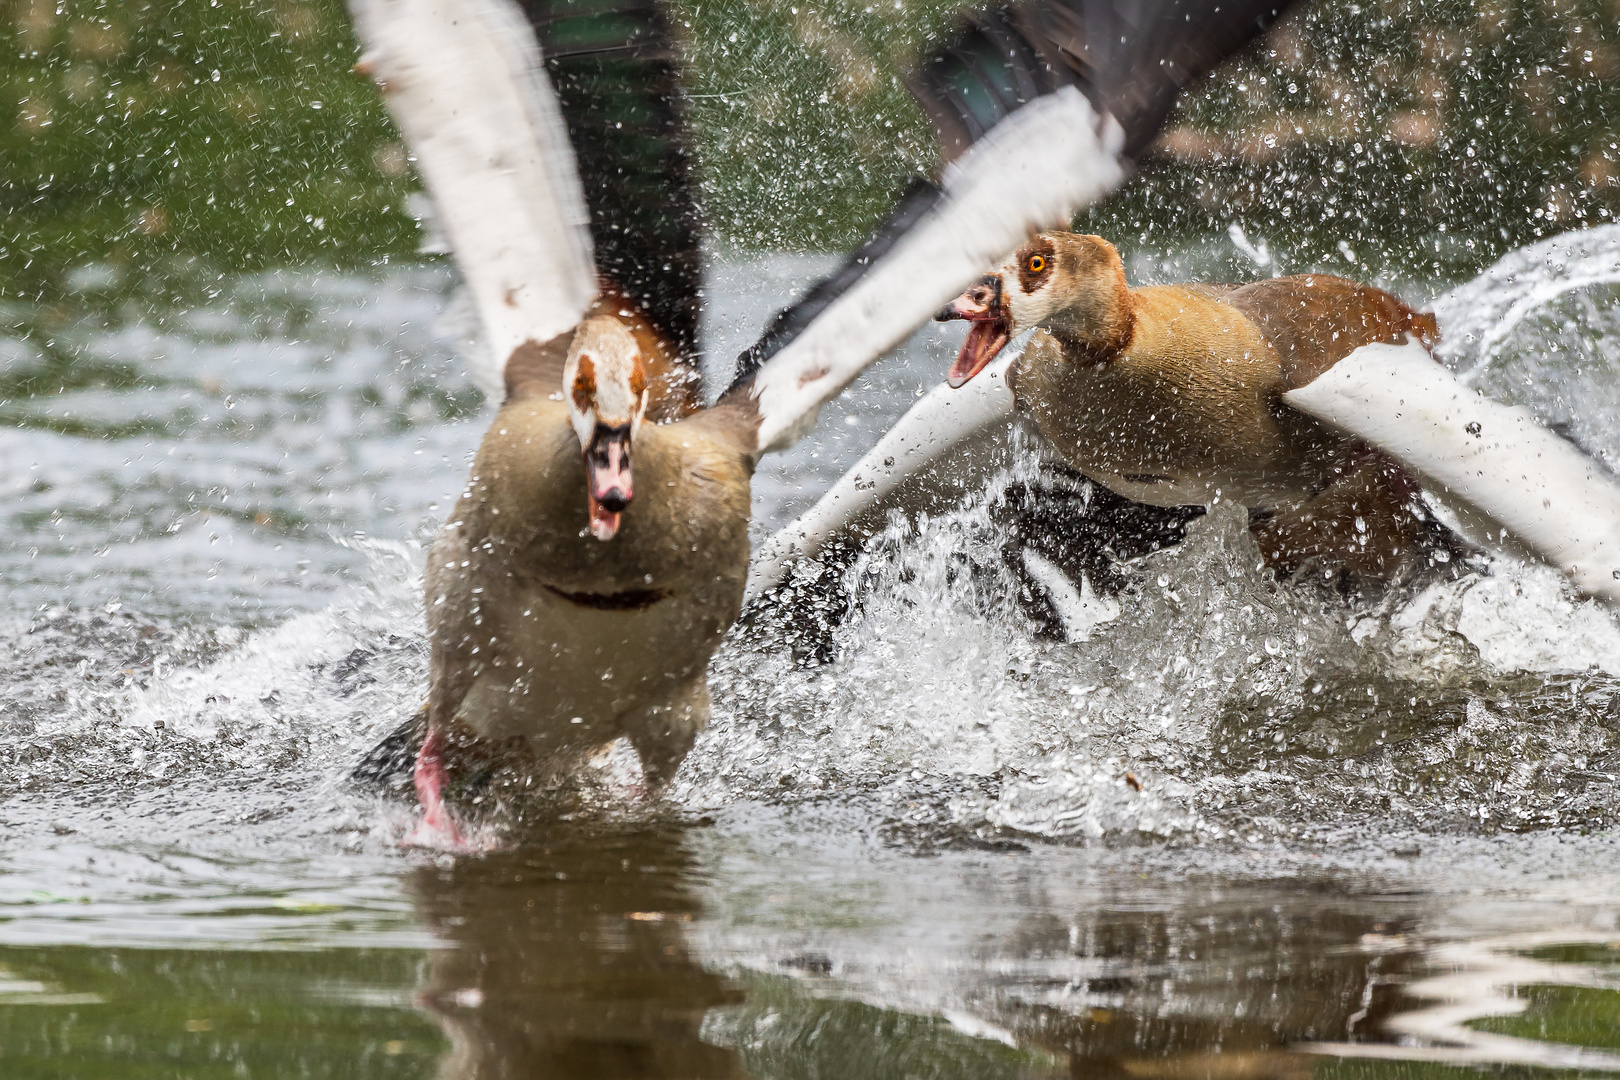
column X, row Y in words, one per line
column 1246, row 829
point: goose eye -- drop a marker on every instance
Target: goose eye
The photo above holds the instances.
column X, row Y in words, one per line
column 1037, row 263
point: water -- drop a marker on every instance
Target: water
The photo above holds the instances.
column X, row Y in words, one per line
column 1245, row 829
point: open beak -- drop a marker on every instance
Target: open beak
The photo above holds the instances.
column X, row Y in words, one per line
column 608, row 485
column 990, row 330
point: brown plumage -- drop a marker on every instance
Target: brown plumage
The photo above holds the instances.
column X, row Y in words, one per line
column 546, row 637
column 1172, row 395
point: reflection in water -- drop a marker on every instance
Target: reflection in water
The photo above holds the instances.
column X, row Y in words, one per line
column 569, row 959
column 1245, row 980
column 742, row 950
column 577, row 957
column 1093, row 978
column 1480, row 979
column 637, row 950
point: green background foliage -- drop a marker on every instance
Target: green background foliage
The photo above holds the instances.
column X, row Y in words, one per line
column 234, row 131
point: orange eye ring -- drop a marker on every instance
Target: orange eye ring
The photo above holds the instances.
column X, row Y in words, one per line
column 1036, row 263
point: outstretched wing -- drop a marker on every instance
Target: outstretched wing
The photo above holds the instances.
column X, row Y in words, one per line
column 614, row 69
column 1129, row 58
column 1491, row 462
column 464, row 82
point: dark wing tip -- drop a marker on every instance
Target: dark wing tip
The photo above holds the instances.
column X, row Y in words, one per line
column 618, row 85
column 1131, row 57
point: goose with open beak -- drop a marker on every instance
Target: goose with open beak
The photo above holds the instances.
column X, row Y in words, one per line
column 1111, row 71
column 1311, row 400
column 600, row 549
column 1172, row 395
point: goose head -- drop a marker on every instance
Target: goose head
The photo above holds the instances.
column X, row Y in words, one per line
column 1069, row 284
column 605, row 383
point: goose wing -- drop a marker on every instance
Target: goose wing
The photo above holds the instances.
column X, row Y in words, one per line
column 1501, row 472
column 614, row 70
column 1052, row 157
column 1039, row 109
column 1132, row 57
column 464, row 82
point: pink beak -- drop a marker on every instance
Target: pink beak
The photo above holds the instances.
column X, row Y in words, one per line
column 608, row 484
column 981, row 306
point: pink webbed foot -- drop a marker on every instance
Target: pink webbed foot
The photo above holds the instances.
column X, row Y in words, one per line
column 437, row 829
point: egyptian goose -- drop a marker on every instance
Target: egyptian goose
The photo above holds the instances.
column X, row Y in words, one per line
column 1173, row 395
column 1312, row 399
column 600, row 549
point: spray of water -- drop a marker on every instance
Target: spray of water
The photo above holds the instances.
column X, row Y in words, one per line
column 1215, row 704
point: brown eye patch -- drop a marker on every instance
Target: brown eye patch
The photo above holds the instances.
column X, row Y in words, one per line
column 1035, row 265
column 638, row 380
column 585, row 385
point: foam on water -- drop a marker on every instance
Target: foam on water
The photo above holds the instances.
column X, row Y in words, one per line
column 1215, row 689
column 269, row 725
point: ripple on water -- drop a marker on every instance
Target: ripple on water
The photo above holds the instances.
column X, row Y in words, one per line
column 200, row 459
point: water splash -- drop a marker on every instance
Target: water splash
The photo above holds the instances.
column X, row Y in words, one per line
column 1217, row 703
column 268, row 722
column 1477, row 318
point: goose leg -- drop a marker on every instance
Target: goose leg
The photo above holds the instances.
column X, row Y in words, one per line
column 664, row 735
column 437, row 829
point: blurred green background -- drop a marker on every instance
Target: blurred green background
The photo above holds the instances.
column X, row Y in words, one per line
column 231, row 134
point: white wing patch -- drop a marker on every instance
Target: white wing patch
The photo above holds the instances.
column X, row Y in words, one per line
column 1493, row 458
column 1079, row 610
column 944, row 423
column 464, row 82
column 1032, row 171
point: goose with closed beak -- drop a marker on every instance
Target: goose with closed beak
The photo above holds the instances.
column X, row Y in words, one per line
column 600, row 548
